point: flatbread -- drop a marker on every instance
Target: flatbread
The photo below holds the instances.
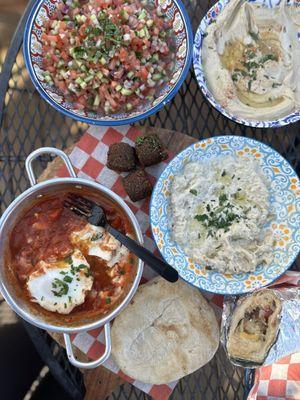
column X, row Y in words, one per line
column 254, row 326
column 166, row 332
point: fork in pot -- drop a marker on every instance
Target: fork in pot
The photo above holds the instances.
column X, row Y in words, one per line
column 95, row 215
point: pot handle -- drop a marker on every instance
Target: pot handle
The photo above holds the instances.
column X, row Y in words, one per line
column 46, row 150
column 90, row 364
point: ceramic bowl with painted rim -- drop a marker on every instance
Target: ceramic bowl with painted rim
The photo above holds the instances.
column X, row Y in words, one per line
column 209, row 18
column 285, row 205
column 32, row 47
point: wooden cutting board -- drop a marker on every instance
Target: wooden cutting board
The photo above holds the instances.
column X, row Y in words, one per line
column 100, row 382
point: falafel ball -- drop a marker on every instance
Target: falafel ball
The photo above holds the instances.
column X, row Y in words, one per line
column 137, row 185
column 121, row 157
column 150, row 150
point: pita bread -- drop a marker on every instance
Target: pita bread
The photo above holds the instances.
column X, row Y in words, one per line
column 254, row 326
column 166, row 332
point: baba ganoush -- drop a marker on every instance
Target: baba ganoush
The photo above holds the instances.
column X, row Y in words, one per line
column 220, row 212
column 251, row 59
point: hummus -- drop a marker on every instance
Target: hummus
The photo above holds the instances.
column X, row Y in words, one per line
column 219, row 212
column 251, row 59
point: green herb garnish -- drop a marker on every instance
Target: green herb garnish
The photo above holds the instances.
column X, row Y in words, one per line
column 62, row 287
column 107, row 300
column 268, row 57
column 201, row 218
column 68, row 279
column 275, row 85
column 194, row 192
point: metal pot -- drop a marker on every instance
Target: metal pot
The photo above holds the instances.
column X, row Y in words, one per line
column 7, row 221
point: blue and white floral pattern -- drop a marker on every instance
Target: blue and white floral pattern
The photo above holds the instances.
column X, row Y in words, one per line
column 183, row 38
column 285, row 204
column 197, row 60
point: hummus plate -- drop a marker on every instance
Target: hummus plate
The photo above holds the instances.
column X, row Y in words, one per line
column 284, row 190
column 246, row 56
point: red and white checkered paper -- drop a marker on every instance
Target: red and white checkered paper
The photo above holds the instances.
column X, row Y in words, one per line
column 89, row 157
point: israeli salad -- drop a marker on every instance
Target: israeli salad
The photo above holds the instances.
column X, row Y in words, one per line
column 107, row 55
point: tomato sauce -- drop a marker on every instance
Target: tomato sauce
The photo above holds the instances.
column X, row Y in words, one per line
column 43, row 233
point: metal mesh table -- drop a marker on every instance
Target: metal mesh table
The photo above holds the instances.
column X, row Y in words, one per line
column 27, row 122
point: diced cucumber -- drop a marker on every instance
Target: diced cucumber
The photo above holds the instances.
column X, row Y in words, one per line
column 83, row 85
column 104, row 80
column 130, row 74
column 60, row 63
column 94, row 19
column 48, row 78
column 156, row 77
column 102, row 61
column 149, row 23
column 84, row 68
column 80, row 18
column 126, row 92
column 96, row 85
column 99, row 74
column 155, row 57
column 96, row 100
column 81, row 82
column 143, row 14
column 141, row 33
column 147, row 34
column 118, row 88
column 91, row 71
column 129, row 106
column 88, row 78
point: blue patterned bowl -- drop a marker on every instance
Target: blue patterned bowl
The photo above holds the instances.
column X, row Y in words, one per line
column 197, row 60
column 41, row 11
column 285, row 205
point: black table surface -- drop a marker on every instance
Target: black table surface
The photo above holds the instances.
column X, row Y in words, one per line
column 28, row 122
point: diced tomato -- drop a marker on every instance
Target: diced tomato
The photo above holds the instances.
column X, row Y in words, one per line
column 143, row 73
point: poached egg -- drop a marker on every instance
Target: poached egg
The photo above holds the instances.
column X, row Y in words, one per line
column 62, row 285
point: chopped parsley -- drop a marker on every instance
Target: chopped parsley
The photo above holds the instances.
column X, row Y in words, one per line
column 194, row 192
column 221, row 216
column 69, row 260
column 61, row 286
column 268, row 57
column 201, row 218
column 275, row 85
column 68, row 279
column 107, row 300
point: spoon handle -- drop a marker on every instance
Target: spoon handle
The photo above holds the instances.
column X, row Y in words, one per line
column 156, row 263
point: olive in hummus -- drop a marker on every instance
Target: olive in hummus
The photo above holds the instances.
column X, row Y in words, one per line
column 254, row 326
column 251, row 59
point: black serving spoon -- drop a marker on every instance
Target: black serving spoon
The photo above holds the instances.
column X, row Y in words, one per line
column 95, row 215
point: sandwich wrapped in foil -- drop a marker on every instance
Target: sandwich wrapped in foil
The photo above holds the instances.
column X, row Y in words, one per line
column 249, row 349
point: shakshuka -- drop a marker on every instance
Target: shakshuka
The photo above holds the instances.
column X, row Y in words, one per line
column 66, row 266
